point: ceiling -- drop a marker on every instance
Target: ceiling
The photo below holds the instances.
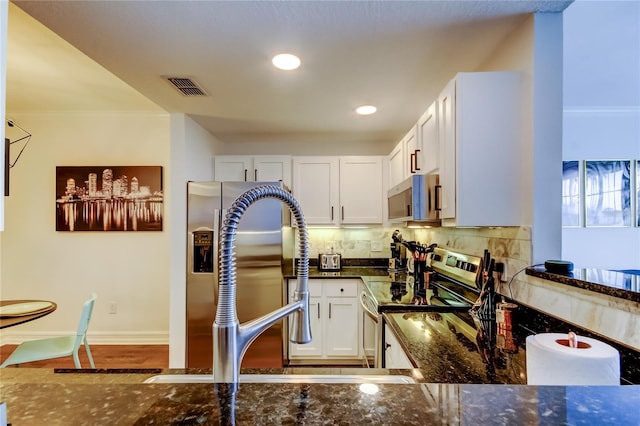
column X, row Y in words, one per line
column 102, row 55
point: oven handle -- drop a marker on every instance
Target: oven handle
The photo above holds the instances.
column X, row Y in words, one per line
column 366, row 303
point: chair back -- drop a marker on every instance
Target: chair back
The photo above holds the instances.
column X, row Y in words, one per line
column 87, row 310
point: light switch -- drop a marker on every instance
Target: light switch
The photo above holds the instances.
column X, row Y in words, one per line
column 376, row 245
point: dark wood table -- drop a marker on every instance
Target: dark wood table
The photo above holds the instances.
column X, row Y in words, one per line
column 9, row 321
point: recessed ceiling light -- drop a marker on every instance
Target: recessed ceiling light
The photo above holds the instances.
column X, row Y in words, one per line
column 366, row 109
column 286, row 61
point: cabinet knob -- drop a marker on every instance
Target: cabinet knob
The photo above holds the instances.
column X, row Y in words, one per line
column 386, row 346
column 342, row 289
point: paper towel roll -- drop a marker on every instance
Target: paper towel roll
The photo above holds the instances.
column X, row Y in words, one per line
column 550, row 361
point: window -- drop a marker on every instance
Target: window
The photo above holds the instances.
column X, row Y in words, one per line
column 570, row 193
column 638, row 193
column 608, row 193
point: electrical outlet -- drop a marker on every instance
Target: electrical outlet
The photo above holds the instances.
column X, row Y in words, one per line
column 113, row 308
column 376, row 245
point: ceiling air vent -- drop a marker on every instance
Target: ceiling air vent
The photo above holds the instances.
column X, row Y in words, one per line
column 186, row 86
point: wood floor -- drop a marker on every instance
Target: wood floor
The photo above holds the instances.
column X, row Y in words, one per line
column 105, row 356
column 263, row 353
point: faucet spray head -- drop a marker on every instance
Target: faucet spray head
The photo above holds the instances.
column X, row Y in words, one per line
column 300, row 323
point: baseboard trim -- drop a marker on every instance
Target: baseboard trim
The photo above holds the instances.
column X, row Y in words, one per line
column 95, row 338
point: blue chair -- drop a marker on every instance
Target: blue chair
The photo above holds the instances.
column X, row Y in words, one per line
column 56, row 347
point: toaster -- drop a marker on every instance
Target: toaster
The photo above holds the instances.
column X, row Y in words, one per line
column 329, row 262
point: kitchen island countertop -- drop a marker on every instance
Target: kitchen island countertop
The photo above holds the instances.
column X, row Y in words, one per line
column 620, row 284
column 98, row 399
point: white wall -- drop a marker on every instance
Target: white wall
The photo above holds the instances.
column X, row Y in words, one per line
column 322, row 144
column 192, row 149
column 4, row 14
column 602, row 114
column 535, row 50
column 129, row 268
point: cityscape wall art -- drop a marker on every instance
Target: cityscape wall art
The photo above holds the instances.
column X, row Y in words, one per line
column 109, row 198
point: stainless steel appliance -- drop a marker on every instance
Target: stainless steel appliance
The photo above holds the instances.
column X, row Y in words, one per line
column 452, row 287
column 416, row 199
column 264, row 242
column 329, row 262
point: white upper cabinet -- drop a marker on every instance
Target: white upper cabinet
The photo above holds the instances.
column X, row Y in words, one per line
column 480, row 132
column 361, row 190
column 403, row 159
column 316, row 186
column 412, row 150
column 252, row 168
column 419, row 150
column 396, row 165
column 427, row 143
column 339, row 190
column 446, row 135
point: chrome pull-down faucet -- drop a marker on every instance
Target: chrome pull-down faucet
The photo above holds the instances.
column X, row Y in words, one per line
column 230, row 338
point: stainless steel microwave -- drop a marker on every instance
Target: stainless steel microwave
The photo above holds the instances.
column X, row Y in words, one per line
column 416, row 199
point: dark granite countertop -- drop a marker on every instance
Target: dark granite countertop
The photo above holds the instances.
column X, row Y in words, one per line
column 613, row 283
column 345, row 272
column 95, row 399
column 450, row 347
column 420, row 348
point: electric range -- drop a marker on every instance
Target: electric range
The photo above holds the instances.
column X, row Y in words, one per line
column 448, row 285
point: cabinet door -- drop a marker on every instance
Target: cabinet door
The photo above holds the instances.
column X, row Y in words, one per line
column 411, row 152
column 314, row 348
column 267, row 168
column 361, row 190
column 394, row 354
column 236, row 168
column 396, row 165
column 315, row 186
column 341, row 327
column 447, row 137
column 368, row 335
column 429, row 145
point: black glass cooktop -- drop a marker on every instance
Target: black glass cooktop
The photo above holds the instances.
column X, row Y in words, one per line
column 401, row 295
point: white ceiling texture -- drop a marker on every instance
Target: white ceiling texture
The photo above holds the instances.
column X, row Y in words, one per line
column 396, row 55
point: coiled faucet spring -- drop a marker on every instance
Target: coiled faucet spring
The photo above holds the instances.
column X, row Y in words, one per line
column 230, row 338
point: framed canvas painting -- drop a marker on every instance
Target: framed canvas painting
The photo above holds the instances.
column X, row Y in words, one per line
column 109, row 198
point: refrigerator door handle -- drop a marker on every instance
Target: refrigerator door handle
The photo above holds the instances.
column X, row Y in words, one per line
column 218, row 217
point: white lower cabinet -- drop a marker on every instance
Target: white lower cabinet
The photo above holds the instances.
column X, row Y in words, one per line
column 335, row 323
column 394, row 355
column 369, row 336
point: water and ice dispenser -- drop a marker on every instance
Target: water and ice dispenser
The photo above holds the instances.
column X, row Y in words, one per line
column 203, row 251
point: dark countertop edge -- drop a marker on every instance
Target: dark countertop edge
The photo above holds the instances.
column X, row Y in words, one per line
column 349, row 272
column 399, row 309
column 620, row 293
column 297, row 369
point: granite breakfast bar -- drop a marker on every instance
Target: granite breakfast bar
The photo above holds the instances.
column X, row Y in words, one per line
column 40, row 396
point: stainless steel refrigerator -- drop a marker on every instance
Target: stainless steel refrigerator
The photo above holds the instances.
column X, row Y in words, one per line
column 264, row 242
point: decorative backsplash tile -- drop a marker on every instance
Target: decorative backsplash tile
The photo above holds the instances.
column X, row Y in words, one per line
column 351, row 242
column 512, row 244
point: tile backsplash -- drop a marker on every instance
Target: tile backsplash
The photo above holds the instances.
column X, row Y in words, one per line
column 511, row 245
column 360, row 243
